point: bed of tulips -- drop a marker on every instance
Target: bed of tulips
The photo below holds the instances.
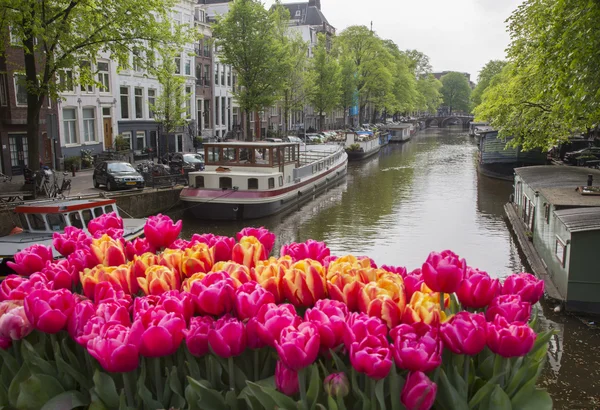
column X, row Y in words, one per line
column 216, row 323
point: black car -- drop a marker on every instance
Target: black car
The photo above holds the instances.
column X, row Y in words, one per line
column 583, row 156
column 117, row 174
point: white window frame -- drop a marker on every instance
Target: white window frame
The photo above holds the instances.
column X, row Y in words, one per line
column 89, row 125
column 138, row 98
column 188, row 101
column 151, row 101
column 104, row 77
column 65, row 76
column 142, row 135
column 188, row 67
column 70, row 127
column 560, row 250
column 3, row 90
column 15, row 40
column 127, row 135
column 16, row 81
column 178, row 65
column 121, row 95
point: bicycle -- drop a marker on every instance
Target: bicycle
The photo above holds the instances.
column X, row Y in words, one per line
column 5, row 178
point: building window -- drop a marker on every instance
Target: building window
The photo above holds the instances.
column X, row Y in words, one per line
column 124, row 102
column 188, row 67
column 206, row 113
column 559, row 251
column 104, row 77
column 229, row 78
column 206, row 47
column 20, row 89
column 15, row 39
column 85, row 70
column 89, row 125
column 199, row 80
column 140, row 140
column 216, row 110
column 151, row 102
column 223, row 111
column 223, row 75
column 199, row 181
column 66, row 80
column 271, row 183
column 225, row 183
column 206, row 75
column 252, row 183
column 177, row 65
column 70, row 125
column 234, row 81
column 216, row 74
column 188, row 102
column 139, row 104
column 127, row 137
column 138, row 60
column 3, row 93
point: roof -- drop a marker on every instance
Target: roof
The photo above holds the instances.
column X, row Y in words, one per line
column 309, row 15
column 398, row 126
column 62, row 206
column 255, row 144
column 569, row 197
column 554, row 176
column 580, row 219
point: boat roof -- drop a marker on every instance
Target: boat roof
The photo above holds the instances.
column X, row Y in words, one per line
column 62, row 206
column 580, row 219
column 556, row 176
column 255, row 144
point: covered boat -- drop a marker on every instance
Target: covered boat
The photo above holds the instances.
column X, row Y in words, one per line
column 246, row 180
column 361, row 145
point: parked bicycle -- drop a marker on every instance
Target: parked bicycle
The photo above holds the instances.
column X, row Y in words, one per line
column 48, row 184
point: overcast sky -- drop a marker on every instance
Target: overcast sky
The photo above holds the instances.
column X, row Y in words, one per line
column 457, row 35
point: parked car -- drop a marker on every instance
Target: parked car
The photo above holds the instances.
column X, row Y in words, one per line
column 117, row 174
column 297, row 140
column 273, row 139
column 583, row 156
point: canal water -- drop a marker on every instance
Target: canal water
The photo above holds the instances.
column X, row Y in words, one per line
column 426, row 195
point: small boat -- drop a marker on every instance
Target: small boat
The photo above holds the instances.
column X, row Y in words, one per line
column 361, row 145
column 248, row 180
column 400, row 132
column 39, row 220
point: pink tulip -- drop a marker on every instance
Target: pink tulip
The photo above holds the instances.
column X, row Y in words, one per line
column 14, row 324
column 398, row 270
column 58, row 275
column 298, row 347
column 511, row 307
column 329, row 259
column 83, row 311
column 509, row 339
column 249, row 298
column 5, row 343
column 15, row 287
column 80, row 260
column 107, row 292
column 265, row 237
column 310, row 249
column 70, row 240
column 477, row 289
column 416, row 347
column 360, row 325
column 116, row 348
column 180, row 244
column 265, row 329
column 525, row 285
column 371, row 356
column 286, row 379
column 104, row 222
column 336, row 385
column 91, row 329
column 138, row 247
column 196, row 338
column 228, row 337
column 161, row 333
column 221, row 246
column 116, row 234
column 49, row 310
column 331, row 326
column 418, row 392
column 464, row 333
column 172, row 302
column 31, row 260
column 160, row 231
column 412, row 283
column 444, row 271
column 214, row 294
column 112, row 312
column 333, row 308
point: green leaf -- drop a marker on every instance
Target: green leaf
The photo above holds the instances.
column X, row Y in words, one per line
column 448, row 394
column 35, row 362
column 484, row 391
column 331, row 404
column 314, row 386
column 67, row 401
column 536, row 400
column 339, row 363
column 192, row 365
column 499, row 400
column 210, row 399
column 396, row 384
column 15, row 386
column 379, row 393
column 10, row 361
column 279, row 399
column 37, row 390
column 106, row 389
column 486, row 367
column 192, row 397
column 83, row 381
column 526, row 373
column 175, row 383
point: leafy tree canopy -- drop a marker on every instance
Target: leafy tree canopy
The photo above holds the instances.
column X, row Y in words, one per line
column 487, row 73
column 324, row 80
column 455, row 91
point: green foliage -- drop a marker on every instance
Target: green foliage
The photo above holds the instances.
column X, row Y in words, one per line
column 70, row 161
column 492, row 69
column 324, row 81
column 429, row 97
column 121, row 144
column 419, row 63
column 347, row 84
column 455, row 91
column 295, row 84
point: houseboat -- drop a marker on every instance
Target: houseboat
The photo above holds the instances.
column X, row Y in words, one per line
column 248, row 180
column 361, row 145
column 498, row 159
column 400, row 132
column 39, row 220
column 474, row 126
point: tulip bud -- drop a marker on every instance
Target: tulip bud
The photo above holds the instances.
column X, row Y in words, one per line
column 14, row 324
column 265, row 329
column 509, row 339
column 465, row 333
column 104, row 223
column 220, row 246
column 116, row 348
column 161, row 231
column 31, row 260
column 49, row 310
column 15, row 287
column 304, row 283
column 137, row 247
column 214, row 294
column 196, row 338
column 266, row 238
column 418, row 392
column 298, row 347
column 511, row 307
column 70, row 240
column 249, row 298
column 310, row 249
column 372, row 357
column 336, row 385
column 197, row 258
column 360, row 325
column 160, row 332
column 159, row 279
column 108, row 251
column 416, row 347
column 527, row 286
column 444, row 271
column 239, row 273
column 248, row 251
column 477, row 289
column 286, row 379
column 228, row 337
column 384, row 298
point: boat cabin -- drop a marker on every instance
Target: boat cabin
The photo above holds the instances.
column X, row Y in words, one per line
column 55, row 216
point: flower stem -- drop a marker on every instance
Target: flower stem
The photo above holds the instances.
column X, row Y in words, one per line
column 442, row 304
column 371, row 383
column 129, row 388
column 467, row 367
column 231, row 374
column 256, row 358
column 302, row 386
column 158, row 379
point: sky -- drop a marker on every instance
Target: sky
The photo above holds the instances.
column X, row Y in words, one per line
column 457, row 35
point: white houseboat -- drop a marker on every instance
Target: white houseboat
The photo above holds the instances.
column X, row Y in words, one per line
column 361, row 145
column 247, row 180
column 400, row 132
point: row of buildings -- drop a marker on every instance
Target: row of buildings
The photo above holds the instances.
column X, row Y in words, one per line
column 87, row 119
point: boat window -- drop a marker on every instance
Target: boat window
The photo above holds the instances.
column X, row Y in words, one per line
column 271, row 183
column 23, row 220
column 225, row 183
column 75, row 220
column 289, row 178
column 228, row 155
column 245, row 155
column 199, row 181
column 98, row 211
column 87, row 216
column 212, row 155
column 288, row 154
column 314, row 168
column 36, row 221
column 56, row 222
column 108, row 209
column 252, row 183
column 281, row 181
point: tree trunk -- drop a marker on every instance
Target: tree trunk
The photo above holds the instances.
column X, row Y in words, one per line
column 248, row 126
column 257, row 125
column 286, row 113
column 374, row 117
column 321, row 120
column 34, row 107
column 345, row 122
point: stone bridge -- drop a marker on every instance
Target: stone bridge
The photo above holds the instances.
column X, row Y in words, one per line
column 446, row 120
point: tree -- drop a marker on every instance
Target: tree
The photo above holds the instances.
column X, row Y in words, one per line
column 170, row 107
column 294, row 86
column 455, row 91
column 324, row 82
column 248, row 40
column 429, row 97
column 404, row 89
column 487, row 73
column 347, row 85
column 419, row 63
column 58, row 35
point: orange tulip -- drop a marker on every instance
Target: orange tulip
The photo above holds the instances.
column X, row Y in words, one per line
column 345, row 264
column 117, row 275
column 138, row 268
column 435, row 295
column 187, row 283
column 248, row 251
column 304, row 283
column 384, row 299
column 108, row 251
column 269, row 274
column 197, row 258
column 424, row 307
column 345, row 287
column 158, row 280
column 239, row 273
column 171, row 258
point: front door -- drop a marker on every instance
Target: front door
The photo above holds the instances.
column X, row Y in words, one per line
column 19, row 152
column 108, row 141
column 47, row 154
column 178, row 143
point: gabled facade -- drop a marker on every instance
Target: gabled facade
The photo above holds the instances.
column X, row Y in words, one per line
column 204, row 79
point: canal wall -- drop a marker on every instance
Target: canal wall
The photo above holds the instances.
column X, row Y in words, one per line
column 133, row 204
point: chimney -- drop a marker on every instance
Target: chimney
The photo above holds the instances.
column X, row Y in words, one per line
column 315, row 3
column 590, row 180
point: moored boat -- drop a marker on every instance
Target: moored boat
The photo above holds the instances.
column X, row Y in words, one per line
column 361, row 145
column 400, row 132
column 248, row 180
